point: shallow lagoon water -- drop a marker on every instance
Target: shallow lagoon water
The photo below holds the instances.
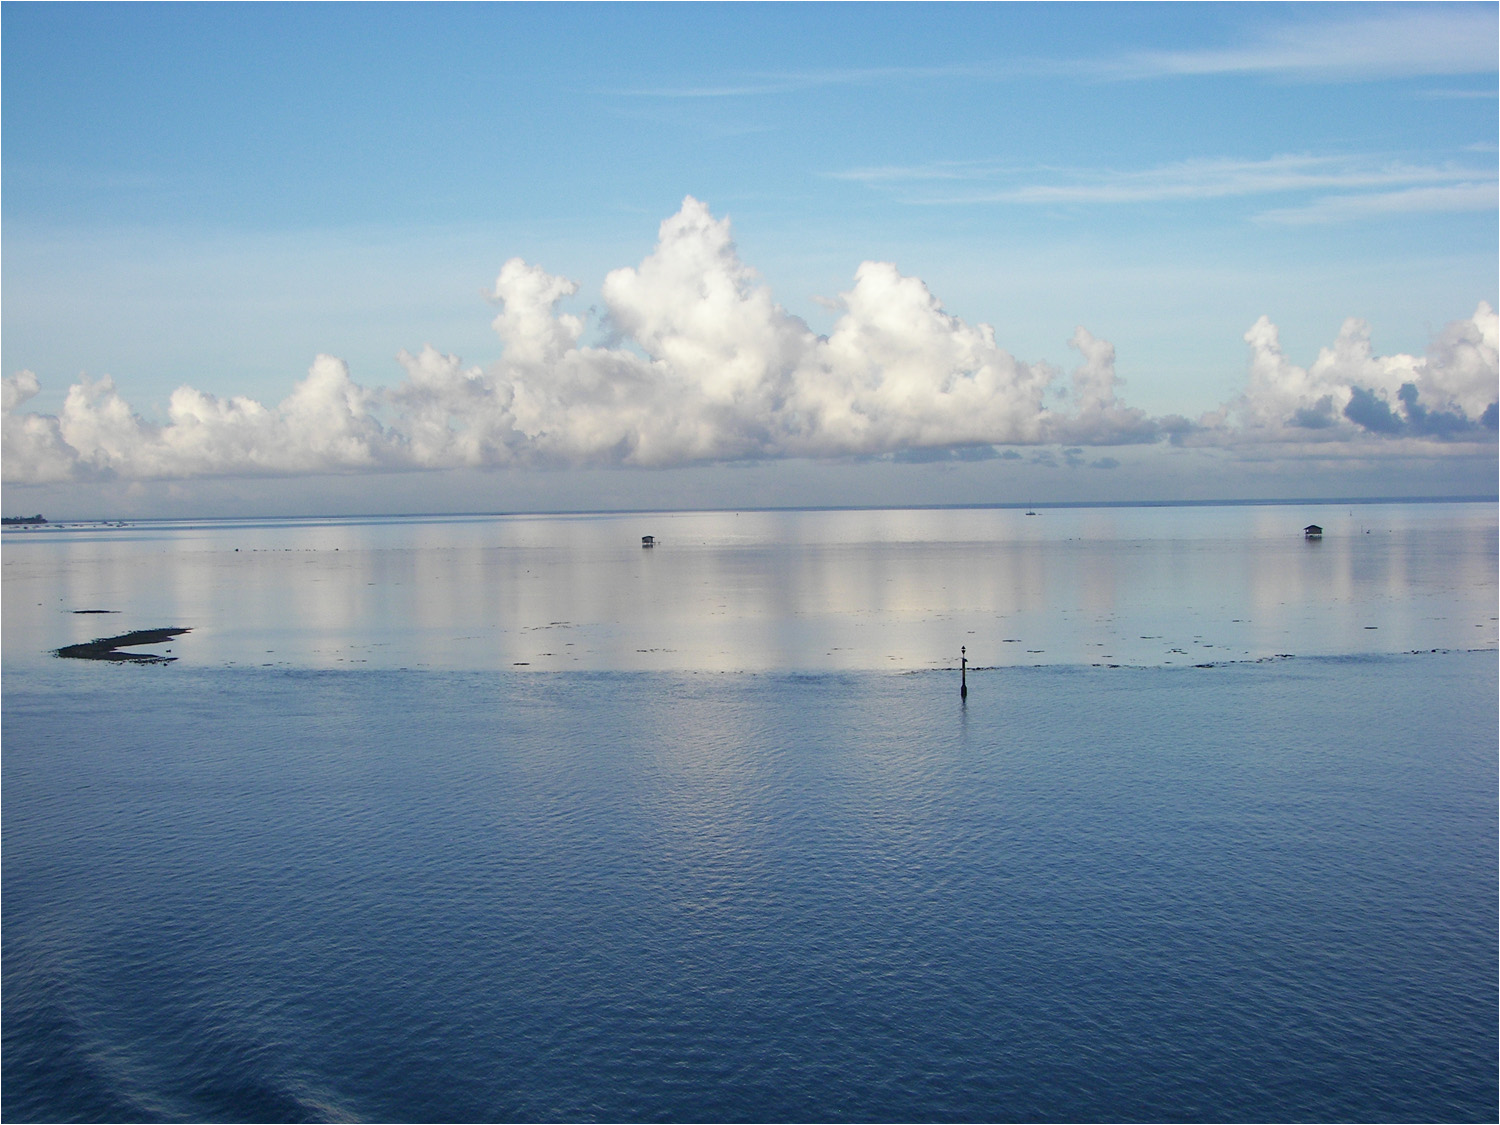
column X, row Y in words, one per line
column 771, row 591
column 1251, row 891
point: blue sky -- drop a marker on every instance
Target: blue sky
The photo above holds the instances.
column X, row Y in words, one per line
column 213, row 196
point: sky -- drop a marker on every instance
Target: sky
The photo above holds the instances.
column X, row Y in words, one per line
column 317, row 259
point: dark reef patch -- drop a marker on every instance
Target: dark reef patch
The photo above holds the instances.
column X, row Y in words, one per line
column 109, row 648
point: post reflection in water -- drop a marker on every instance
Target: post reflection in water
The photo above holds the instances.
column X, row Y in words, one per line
column 768, row 591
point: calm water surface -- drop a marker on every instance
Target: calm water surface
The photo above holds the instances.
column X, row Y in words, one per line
column 771, row 591
column 731, row 866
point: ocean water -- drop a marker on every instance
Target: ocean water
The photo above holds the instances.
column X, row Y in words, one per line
column 740, row 852
column 769, row 591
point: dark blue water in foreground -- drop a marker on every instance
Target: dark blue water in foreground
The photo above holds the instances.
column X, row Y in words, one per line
column 1251, row 892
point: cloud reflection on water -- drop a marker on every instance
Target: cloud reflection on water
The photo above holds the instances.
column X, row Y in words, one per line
column 774, row 591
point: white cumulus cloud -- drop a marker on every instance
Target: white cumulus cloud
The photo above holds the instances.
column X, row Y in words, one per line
column 693, row 361
column 1348, row 390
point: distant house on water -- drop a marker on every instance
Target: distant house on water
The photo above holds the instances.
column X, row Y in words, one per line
column 1312, row 531
column 648, row 540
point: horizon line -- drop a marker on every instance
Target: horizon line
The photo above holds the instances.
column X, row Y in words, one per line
column 1489, row 498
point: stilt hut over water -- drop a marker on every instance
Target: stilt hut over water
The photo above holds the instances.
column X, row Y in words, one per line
column 648, row 540
column 1312, row 531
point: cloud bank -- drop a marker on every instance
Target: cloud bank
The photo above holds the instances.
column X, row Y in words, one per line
column 1348, row 392
column 693, row 362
